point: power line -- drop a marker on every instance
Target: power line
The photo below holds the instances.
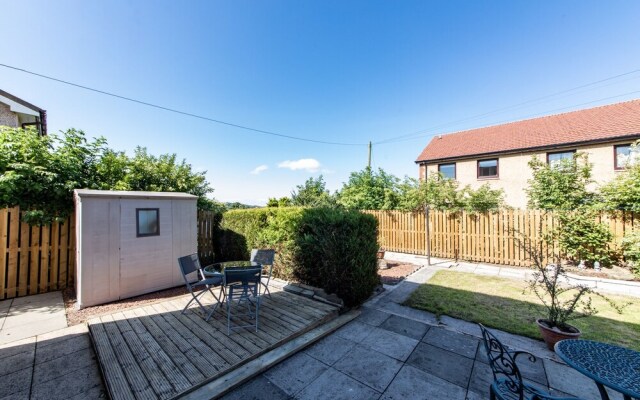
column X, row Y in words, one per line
column 526, row 116
column 417, row 133
column 217, row 121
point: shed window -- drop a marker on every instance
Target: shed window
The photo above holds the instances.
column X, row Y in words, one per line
column 448, row 171
column 147, row 222
column 625, row 154
column 554, row 159
column 488, row 168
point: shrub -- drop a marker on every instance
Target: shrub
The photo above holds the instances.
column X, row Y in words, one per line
column 333, row 249
column 631, row 251
column 581, row 237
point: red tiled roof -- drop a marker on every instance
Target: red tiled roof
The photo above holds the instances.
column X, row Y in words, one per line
column 593, row 124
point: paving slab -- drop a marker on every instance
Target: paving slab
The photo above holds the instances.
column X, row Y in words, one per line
column 33, row 328
column 19, row 346
column 444, row 364
column 63, row 365
column 458, row 343
column 295, row 373
column 414, row 384
column 259, row 388
column 390, row 343
column 481, row 379
column 15, row 382
column 566, row 379
column 334, row 385
column 78, row 382
column 330, row 349
column 370, row 367
column 354, row 331
column 405, row 326
column 372, row 316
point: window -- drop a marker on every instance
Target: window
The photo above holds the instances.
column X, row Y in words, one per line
column 488, row 168
column 554, row 159
column 448, row 171
column 147, row 222
column 623, row 154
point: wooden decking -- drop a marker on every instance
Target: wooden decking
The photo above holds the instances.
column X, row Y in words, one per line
column 156, row 352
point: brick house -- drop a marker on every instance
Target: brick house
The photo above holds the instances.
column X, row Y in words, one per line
column 498, row 155
column 15, row 112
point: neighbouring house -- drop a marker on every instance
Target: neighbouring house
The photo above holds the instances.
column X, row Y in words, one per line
column 498, row 155
column 17, row 113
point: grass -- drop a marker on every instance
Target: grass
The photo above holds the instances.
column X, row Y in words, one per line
column 500, row 303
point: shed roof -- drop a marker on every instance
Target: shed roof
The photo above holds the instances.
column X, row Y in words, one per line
column 604, row 123
column 133, row 194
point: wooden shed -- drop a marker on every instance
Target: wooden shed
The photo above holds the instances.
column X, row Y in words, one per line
column 128, row 242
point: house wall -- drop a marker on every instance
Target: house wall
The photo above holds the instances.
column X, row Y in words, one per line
column 514, row 171
column 8, row 117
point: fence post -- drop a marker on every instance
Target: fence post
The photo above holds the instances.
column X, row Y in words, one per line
column 427, row 235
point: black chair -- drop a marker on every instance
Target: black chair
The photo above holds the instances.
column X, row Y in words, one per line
column 507, row 380
column 242, row 288
column 190, row 264
column 264, row 257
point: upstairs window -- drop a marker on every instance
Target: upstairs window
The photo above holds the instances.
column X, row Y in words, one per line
column 448, row 171
column 624, row 154
column 488, row 168
column 556, row 158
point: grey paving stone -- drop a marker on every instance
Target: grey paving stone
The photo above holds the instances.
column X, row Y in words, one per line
column 532, row 371
column 481, row 379
column 61, row 347
column 17, row 382
column 568, row 380
column 96, row 392
column 372, row 316
column 444, row 364
column 354, row 331
column 370, row 367
column 33, row 328
column 412, row 383
column 330, row 349
column 17, row 396
column 464, row 345
column 390, row 343
column 418, row 315
column 475, row 396
column 259, row 388
column 17, row 362
column 20, row 346
column 68, row 385
column 405, row 326
column 334, row 385
column 295, row 373
column 66, row 364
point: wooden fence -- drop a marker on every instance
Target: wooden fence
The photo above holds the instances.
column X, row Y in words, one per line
column 491, row 237
column 34, row 259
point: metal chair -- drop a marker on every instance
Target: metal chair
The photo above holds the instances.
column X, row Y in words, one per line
column 264, row 257
column 507, row 380
column 190, row 264
column 242, row 286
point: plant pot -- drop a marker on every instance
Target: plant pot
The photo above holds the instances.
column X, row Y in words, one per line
column 553, row 335
column 380, row 254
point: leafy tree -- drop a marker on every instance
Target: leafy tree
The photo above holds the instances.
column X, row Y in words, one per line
column 562, row 186
column 369, row 190
column 483, row 199
column 435, row 191
column 623, row 192
column 281, row 202
column 582, row 237
column 312, row 193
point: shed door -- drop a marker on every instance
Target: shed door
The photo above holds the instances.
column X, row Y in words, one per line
column 146, row 258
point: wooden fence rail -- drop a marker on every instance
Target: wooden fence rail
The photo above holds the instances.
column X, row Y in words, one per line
column 491, row 237
column 34, row 259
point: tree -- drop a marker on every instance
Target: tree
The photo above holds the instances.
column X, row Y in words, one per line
column 623, row 192
column 281, row 202
column 312, row 193
column 483, row 199
column 562, row 186
column 369, row 190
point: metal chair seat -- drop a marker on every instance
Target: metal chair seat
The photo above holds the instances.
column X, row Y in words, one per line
column 189, row 265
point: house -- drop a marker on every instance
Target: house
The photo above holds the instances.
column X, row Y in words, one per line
column 15, row 112
column 498, row 155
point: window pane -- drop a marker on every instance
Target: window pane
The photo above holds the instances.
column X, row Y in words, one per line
column 147, row 222
column 555, row 158
column 626, row 155
column 447, row 170
column 487, row 168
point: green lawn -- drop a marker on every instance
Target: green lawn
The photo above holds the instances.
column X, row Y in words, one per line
column 500, row 303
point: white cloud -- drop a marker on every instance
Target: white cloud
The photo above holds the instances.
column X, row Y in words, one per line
column 259, row 169
column 307, row 164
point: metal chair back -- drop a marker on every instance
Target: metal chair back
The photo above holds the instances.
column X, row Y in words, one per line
column 264, row 257
column 503, row 364
column 242, row 286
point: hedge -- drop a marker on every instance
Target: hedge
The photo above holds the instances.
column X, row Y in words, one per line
column 329, row 248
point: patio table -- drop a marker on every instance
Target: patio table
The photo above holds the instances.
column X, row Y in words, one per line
column 217, row 269
column 615, row 367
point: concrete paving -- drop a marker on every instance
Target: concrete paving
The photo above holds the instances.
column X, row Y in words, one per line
column 28, row 316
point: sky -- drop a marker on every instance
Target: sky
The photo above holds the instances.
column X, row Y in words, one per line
column 347, row 72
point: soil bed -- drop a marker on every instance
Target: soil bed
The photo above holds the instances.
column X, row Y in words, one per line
column 396, row 272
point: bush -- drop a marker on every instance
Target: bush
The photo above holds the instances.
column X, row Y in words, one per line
column 631, row 251
column 329, row 248
column 581, row 237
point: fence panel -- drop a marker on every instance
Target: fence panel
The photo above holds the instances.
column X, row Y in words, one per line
column 34, row 259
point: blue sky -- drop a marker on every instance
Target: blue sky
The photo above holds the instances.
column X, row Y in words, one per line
column 343, row 71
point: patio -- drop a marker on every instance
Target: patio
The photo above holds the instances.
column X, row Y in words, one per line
column 158, row 352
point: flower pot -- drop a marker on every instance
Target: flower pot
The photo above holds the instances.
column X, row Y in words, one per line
column 380, row 254
column 552, row 334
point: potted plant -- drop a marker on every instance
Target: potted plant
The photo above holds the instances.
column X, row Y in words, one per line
column 380, row 253
column 563, row 299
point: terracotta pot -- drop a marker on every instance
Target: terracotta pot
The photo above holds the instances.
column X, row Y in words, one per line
column 553, row 336
column 380, row 254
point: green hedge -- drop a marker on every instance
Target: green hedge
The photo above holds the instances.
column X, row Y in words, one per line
column 328, row 248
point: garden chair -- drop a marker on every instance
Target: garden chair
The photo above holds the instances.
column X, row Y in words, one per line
column 507, row 381
column 190, row 264
column 264, row 257
column 242, row 288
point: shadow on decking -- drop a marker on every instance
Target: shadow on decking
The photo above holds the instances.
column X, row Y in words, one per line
column 158, row 352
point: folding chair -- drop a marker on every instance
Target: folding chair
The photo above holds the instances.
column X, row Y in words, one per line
column 242, row 288
column 190, row 264
column 264, row 257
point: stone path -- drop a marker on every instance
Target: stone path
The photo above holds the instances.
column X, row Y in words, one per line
column 28, row 316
